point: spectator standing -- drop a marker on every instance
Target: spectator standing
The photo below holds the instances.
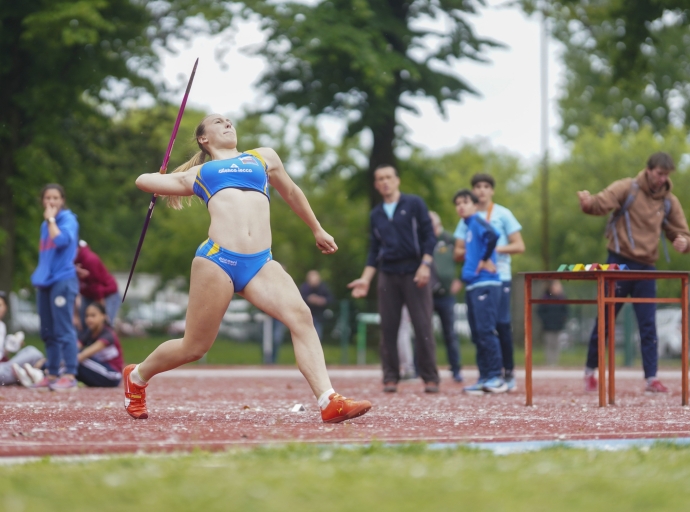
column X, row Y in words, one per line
column 482, row 293
column 643, row 207
column 55, row 279
column 509, row 242
column 445, row 286
column 553, row 318
column 317, row 296
column 96, row 284
column 401, row 247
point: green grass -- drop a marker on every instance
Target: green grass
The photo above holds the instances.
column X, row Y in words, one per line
column 227, row 352
column 381, row 479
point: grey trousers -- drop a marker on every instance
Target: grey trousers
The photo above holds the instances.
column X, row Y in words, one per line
column 395, row 290
column 28, row 354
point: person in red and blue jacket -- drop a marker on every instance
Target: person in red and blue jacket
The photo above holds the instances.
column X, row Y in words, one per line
column 55, row 279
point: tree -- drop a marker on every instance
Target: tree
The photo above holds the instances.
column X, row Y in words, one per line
column 625, row 60
column 362, row 60
column 60, row 63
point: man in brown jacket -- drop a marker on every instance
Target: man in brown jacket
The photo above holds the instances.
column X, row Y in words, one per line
column 643, row 206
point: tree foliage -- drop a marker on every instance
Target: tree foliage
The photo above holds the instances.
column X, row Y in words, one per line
column 60, row 62
column 362, row 60
column 625, row 60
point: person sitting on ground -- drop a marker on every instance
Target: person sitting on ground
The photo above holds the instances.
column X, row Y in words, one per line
column 100, row 358
column 10, row 343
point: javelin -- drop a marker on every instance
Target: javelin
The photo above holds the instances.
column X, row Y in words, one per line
column 163, row 169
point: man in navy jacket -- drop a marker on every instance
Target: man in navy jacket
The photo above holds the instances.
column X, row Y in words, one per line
column 401, row 247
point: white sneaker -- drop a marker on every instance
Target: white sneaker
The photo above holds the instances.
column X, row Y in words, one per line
column 35, row 374
column 22, row 376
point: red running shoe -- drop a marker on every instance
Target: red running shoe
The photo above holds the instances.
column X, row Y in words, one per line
column 591, row 384
column 135, row 396
column 656, row 386
column 341, row 409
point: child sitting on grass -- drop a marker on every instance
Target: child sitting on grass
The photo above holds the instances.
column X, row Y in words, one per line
column 482, row 293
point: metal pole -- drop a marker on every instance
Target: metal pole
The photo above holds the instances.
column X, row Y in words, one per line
column 628, row 335
column 361, row 342
column 544, row 39
column 268, row 339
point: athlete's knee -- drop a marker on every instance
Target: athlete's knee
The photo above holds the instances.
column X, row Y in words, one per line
column 194, row 350
column 299, row 317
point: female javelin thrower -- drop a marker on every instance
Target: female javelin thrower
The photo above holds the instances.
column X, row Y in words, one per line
column 236, row 258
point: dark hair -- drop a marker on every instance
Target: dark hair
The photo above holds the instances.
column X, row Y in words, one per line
column 100, row 307
column 54, row 186
column 662, row 160
column 465, row 193
column 483, row 178
column 383, row 166
column 3, row 296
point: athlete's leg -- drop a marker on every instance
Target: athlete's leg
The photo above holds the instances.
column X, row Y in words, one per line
column 274, row 292
column 210, row 292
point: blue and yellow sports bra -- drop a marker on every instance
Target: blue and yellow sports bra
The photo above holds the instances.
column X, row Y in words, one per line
column 247, row 171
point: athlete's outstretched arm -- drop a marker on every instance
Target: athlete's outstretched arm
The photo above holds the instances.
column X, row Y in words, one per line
column 296, row 200
column 174, row 184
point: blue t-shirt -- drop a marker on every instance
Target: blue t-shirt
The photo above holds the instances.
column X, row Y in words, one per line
column 480, row 241
column 56, row 256
column 505, row 223
column 389, row 208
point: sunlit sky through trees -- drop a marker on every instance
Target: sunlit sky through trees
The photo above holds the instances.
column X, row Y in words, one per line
column 507, row 114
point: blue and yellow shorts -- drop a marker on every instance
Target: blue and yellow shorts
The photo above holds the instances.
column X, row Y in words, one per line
column 241, row 268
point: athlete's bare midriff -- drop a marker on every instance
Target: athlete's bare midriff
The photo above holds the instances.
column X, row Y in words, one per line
column 240, row 220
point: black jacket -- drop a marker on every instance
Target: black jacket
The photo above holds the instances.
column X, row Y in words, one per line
column 398, row 244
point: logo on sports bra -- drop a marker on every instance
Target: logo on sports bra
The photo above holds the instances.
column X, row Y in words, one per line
column 232, row 263
column 233, row 168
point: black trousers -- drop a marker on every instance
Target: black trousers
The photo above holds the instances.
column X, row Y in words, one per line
column 395, row 290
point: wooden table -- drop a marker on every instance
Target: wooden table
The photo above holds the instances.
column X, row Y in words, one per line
column 606, row 303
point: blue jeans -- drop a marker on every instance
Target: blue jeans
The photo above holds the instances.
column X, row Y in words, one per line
column 645, row 313
column 505, row 330
column 482, row 314
column 55, row 309
column 444, row 307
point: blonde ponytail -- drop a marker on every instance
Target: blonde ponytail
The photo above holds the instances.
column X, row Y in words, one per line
column 178, row 202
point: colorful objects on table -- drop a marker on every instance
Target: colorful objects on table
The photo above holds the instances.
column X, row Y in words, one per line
column 580, row 267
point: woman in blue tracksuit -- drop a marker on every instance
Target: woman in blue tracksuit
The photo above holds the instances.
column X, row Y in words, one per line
column 55, row 279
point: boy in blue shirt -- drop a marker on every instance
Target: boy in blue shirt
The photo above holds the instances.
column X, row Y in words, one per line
column 509, row 242
column 482, row 293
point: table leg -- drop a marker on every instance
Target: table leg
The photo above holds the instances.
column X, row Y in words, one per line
column 611, row 310
column 528, row 340
column 601, row 319
column 684, row 337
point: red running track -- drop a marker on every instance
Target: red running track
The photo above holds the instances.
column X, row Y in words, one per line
column 217, row 408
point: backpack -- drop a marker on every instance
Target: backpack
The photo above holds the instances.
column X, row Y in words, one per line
column 623, row 212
